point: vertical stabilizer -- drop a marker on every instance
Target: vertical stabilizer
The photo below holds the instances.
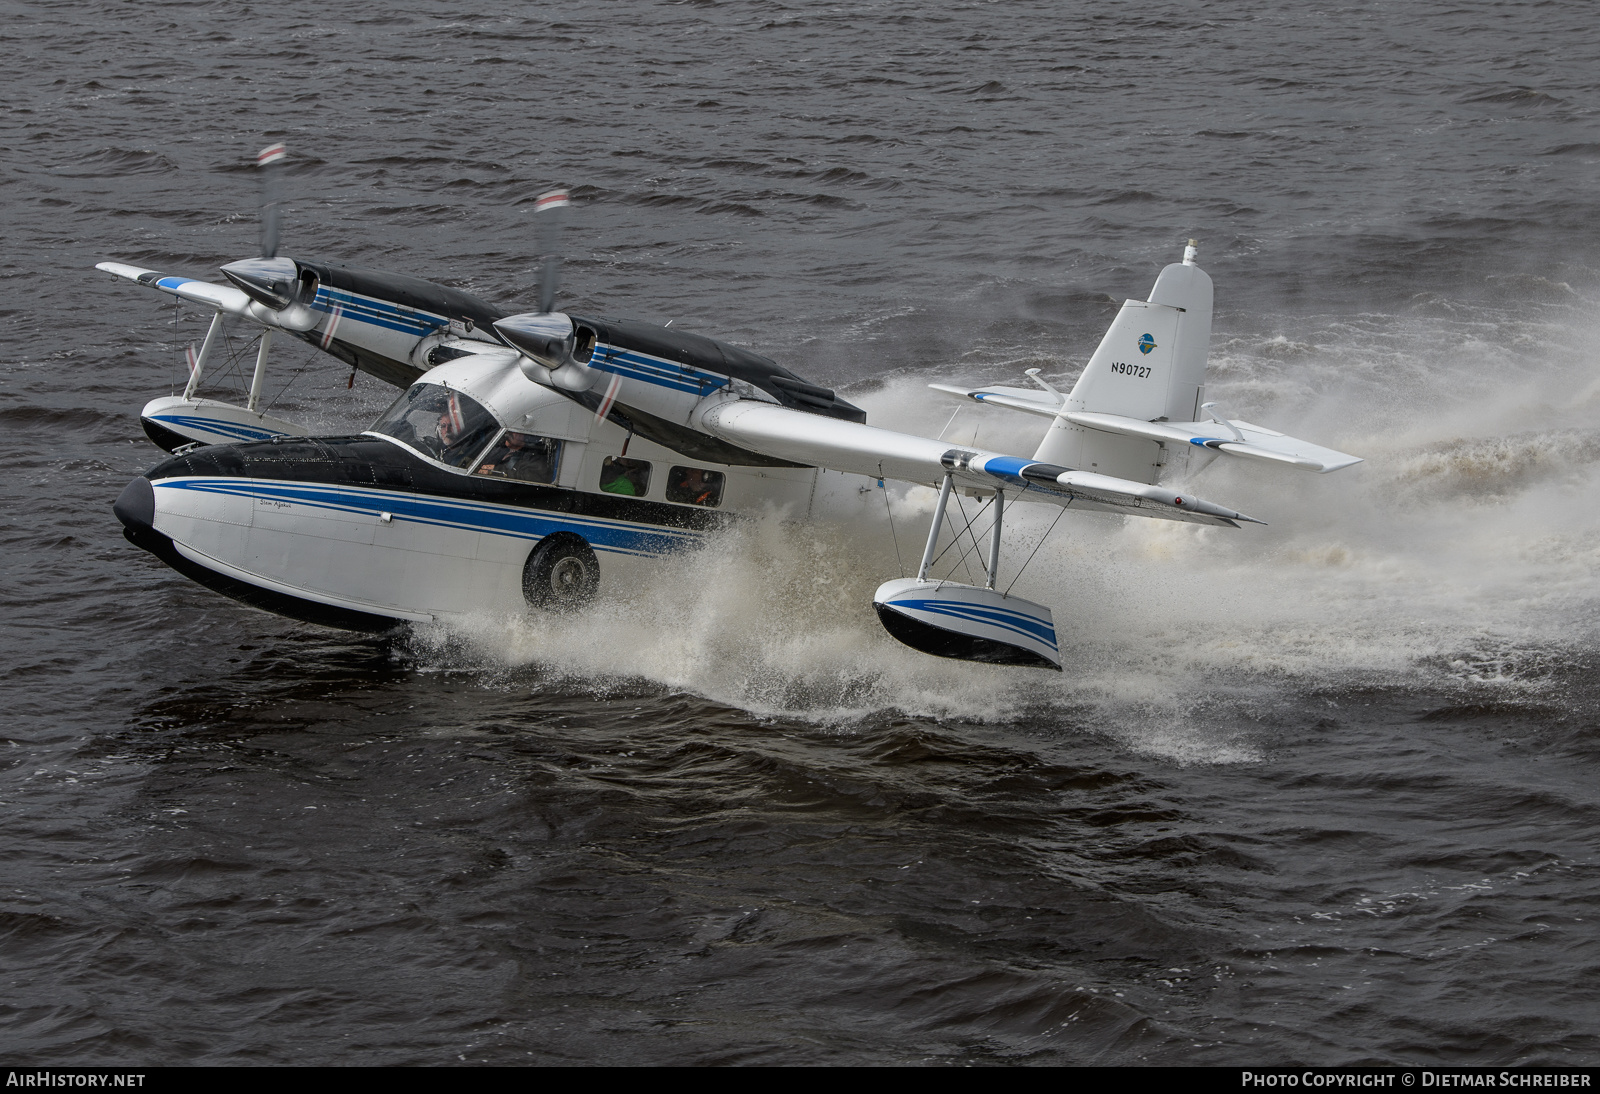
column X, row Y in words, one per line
column 1150, row 366
column 1187, row 288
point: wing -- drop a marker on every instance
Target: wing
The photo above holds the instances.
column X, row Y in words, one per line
column 224, row 298
column 818, row 441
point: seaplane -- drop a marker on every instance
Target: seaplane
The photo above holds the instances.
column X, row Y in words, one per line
column 534, row 457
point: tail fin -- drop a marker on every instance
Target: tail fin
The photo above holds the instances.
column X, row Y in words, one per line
column 1151, row 366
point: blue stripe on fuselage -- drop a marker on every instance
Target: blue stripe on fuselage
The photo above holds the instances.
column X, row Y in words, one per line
column 602, row 534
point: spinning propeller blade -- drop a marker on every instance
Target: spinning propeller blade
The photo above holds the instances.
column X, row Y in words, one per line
column 270, row 161
column 555, row 351
column 279, row 285
column 547, row 239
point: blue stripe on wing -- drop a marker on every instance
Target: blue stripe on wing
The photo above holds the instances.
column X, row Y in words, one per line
column 379, row 313
column 634, row 365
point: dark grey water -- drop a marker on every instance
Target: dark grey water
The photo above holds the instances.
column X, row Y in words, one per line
column 1322, row 792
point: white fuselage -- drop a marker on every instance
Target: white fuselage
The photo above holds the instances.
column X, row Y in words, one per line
column 451, row 543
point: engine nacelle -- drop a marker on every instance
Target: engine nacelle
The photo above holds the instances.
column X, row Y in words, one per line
column 555, row 350
column 280, row 290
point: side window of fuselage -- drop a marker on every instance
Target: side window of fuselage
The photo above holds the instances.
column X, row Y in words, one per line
column 695, row 486
column 525, row 457
column 620, row 475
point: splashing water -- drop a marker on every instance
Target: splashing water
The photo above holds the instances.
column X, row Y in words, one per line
column 1460, row 550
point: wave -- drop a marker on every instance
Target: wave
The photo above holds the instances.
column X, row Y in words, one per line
column 111, row 162
column 1458, row 555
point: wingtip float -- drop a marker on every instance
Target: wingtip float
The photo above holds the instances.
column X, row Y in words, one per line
column 537, row 456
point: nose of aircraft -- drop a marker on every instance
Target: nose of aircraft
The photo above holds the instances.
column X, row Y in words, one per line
column 135, row 507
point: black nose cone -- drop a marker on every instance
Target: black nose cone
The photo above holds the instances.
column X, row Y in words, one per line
column 136, row 505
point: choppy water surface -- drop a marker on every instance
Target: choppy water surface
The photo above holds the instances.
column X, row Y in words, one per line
column 1319, row 792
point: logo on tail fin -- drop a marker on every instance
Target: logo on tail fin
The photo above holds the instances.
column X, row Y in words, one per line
column 1146, row 343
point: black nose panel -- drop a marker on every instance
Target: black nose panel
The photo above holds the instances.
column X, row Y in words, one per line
column 136, row 505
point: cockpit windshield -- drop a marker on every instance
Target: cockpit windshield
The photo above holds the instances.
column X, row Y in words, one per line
column 447, row 425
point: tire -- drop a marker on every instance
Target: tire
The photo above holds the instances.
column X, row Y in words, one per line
column 561, row 574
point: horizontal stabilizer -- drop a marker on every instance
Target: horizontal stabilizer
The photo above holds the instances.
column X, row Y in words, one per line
column 1031, row 400
column 815, row 441
column 224, row 298
column 1232, row 438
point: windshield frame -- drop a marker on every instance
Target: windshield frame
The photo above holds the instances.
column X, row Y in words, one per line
column 411, row 403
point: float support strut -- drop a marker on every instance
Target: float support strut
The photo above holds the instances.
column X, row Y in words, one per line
column 994, row 537
column 933, row 532
column 261, row 371
column 205, row 355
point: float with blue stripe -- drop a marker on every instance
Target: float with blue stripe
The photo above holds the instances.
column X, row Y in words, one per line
column 949, row 619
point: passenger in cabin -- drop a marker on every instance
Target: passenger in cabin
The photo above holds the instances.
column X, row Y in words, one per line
column 620, row 475
column 694, row 486
column 524, row 457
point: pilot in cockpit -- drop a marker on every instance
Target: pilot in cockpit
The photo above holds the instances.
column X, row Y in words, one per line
column 522, row 456
column 448, row 428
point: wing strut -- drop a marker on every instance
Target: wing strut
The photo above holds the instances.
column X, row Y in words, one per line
column 992, row 571
column 261, row 371
column 994, row 538
column 933, row 532
column 205, row 355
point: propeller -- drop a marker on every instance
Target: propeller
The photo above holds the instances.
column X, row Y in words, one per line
column 281, row 289
column 547, row 216
column 555, row 351
column 269, row 161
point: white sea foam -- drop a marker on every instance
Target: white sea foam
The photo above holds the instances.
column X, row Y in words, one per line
column 1464, row 546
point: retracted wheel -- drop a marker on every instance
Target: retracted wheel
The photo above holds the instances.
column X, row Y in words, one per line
column 561, row 573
